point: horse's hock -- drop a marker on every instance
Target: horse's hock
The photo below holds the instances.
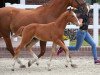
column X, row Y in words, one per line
column 4, row 53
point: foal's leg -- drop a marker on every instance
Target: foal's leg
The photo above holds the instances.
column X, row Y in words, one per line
column 32, row 42
column 24, row 42
column 66, row 50
column 29, row 46
column 51, row 56
column 16, row 54
column 73, row 65
column 35, row 58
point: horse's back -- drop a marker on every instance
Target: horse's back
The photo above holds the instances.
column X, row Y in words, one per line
column 25, row 17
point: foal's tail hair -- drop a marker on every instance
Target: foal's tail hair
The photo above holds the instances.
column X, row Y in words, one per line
column 19, row 31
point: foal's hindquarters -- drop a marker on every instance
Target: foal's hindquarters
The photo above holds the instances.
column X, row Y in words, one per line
column 29, row 48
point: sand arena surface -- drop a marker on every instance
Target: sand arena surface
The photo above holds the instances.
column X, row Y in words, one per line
column 86, row 66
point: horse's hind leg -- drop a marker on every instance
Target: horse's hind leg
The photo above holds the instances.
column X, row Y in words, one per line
column 7, row 40
column 10, row 47
column 43, row 48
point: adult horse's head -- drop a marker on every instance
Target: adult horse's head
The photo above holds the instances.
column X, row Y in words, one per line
column 80, row 4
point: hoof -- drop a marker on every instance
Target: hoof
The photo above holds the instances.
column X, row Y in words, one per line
column 66, row 66
column 22, row 66
column 29, row 64
column 74, row 65
column 49, row 69
column 12, row 69
column 37, row 64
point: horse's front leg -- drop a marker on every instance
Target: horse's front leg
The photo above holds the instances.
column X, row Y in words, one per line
column 43, row 48
column 51, row 56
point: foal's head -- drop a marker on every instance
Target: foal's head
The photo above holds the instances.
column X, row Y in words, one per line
column 71, row 17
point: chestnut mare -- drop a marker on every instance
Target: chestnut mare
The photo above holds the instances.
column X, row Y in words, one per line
column 11, row 19
column 52, row 31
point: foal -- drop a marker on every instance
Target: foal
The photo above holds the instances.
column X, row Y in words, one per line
column 46, row 32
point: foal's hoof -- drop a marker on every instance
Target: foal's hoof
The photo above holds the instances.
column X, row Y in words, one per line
column 22, row 66
column 37, row 64
column 29, row 64
column 12, row 69
column 74, row 65
column 49, row 69
column 66, row 66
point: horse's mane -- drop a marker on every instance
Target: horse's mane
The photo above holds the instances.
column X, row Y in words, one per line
column 49, row 3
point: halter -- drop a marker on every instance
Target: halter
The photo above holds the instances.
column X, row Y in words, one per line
column 80, row 5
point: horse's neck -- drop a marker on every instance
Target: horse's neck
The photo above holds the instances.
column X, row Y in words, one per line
column 62, row 21
column 55, row 8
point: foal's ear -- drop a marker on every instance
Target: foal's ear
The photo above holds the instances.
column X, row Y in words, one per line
column 71, row 9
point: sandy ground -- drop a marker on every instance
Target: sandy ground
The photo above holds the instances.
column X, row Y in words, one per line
column 86, row 66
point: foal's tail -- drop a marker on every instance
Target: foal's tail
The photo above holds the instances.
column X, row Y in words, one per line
column 19, row 31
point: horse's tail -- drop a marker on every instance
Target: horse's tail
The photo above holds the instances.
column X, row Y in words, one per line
column 19, row 31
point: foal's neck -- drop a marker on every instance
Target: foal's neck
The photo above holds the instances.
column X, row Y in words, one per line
column 62, row 21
